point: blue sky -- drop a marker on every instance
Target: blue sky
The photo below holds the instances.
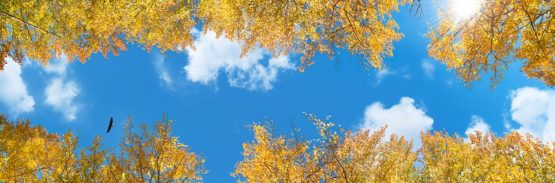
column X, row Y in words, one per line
column 213, row 96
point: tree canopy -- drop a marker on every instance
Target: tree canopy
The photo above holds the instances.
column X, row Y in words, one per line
column 307, row 26
column 500, row 33
column 31, row 154
column 40, row 30
column 368, row 156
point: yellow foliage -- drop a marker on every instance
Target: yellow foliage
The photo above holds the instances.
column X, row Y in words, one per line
column 486, row 158
column 307, row 26
column 156, row 156
column 334, row 157
column 366, row 156
column 275, row 159
column 30, row 154
column 79, row 28
column 501, row 33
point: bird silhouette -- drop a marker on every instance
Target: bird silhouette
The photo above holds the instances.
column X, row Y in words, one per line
column 110, row 125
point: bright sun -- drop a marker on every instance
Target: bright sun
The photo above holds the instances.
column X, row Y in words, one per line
column 465, row 9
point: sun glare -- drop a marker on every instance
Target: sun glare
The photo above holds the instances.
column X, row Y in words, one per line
column 465, row 9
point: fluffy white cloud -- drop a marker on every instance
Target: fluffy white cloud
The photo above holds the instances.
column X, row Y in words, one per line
column 477, row 123
column 402, row 119
column 60, row 92
column 162, row 70
column 60, row 95
column 13, row 90
column 534, row 110
column 428, row 68
column 211, row 55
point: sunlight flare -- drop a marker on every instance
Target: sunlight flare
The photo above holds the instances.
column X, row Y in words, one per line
column 465, row 9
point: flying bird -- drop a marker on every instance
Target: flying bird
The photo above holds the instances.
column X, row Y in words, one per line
column 110, row 125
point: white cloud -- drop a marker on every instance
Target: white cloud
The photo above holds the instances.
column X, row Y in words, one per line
column 57, row 66
column 402, row 119
column 13, row 92
column 162, row 70
column 60, row 92
column 428, row 68
column 381, row 74
column 477, row 124
column 60, row 95
column 534, row 110
column 211, row 55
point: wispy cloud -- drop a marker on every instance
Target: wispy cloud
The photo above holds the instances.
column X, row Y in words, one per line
column 381, row 74
column 162, row 70
column 13, row 92
column 212, row 55
column 428, row 67
column 386, row 72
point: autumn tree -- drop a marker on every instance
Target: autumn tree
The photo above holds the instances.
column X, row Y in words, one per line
column 26, row 151
column 307, row 26
column 368, row 156
column 336, row 156
column 486, row 158
column 276, row 159
column 31, row 154
column 40, row 30
column 499, row 34
column 155, row 156
column 362, row 156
